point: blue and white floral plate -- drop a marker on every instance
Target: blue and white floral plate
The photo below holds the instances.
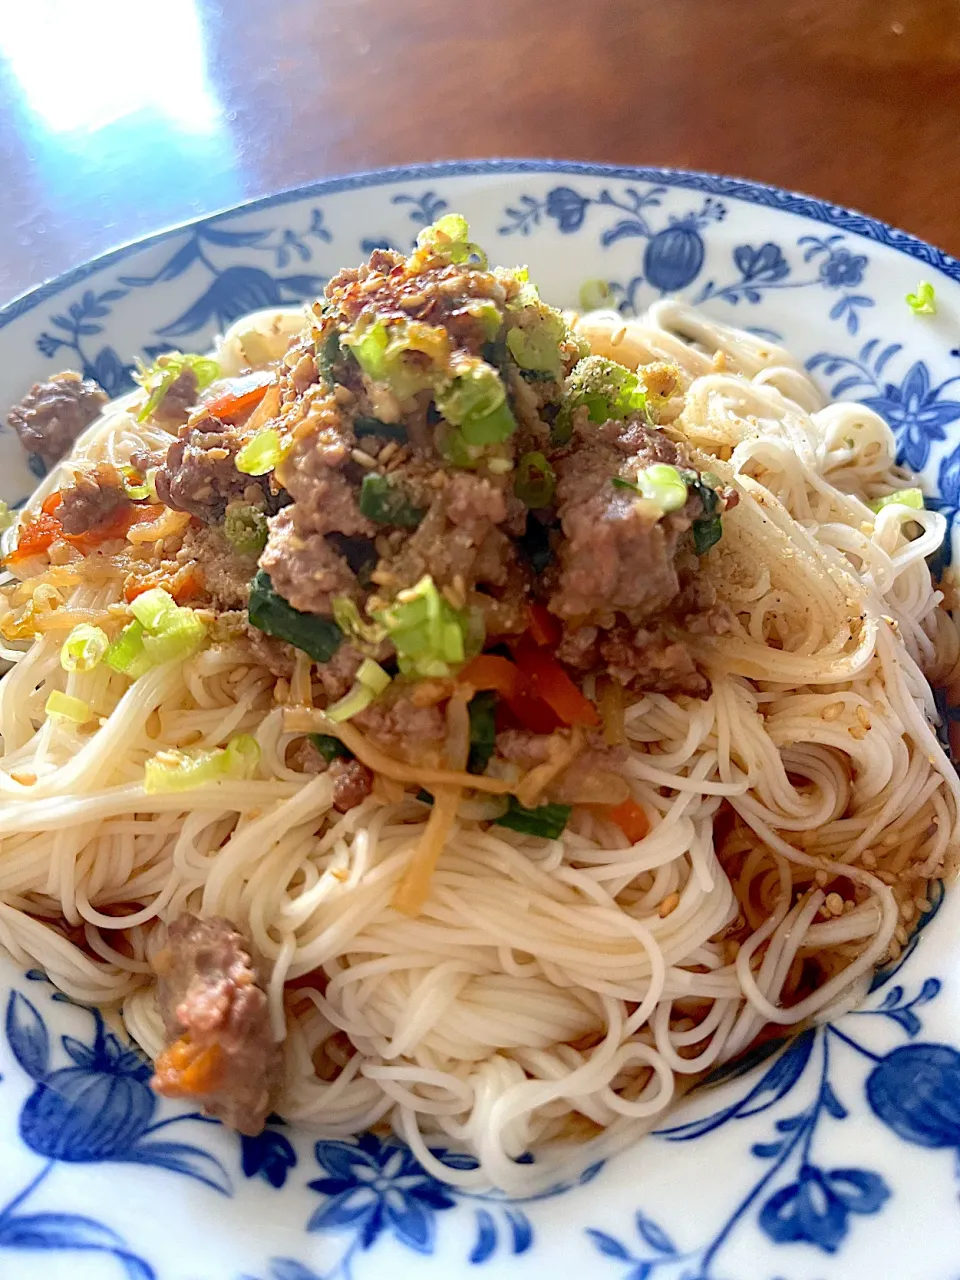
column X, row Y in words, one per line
column 834, row 1159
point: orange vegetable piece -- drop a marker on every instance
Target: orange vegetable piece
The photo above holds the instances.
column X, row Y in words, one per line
column 549, row 682
column 544, row 628
column 490, row 671
column 630, row 818
column 245, row 394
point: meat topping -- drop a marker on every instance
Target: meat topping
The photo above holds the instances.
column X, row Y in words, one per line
column 53, row 414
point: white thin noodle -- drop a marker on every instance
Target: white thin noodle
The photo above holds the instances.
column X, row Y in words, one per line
column 541, row 989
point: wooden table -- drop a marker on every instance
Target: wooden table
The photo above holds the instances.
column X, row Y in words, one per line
column 158, row 112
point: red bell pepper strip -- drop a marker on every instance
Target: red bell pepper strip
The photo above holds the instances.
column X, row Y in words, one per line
column 548, row 681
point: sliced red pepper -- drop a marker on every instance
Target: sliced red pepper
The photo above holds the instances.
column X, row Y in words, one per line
column 630, row 818
column 544, row 629
column 548, row 681
column 245, row 394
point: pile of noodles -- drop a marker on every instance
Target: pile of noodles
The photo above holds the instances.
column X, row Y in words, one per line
column 552, row 996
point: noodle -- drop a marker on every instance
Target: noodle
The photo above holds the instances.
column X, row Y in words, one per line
column 474, row 985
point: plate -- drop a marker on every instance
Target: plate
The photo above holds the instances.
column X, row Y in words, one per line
column 834, row 1157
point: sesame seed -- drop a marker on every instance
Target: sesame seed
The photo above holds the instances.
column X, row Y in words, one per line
column 862, row 716
column 832, row 712
column 868, row 858
column 834, row 904
column 821, row 877
column 388, row 450
column 855, row 731
column 363, row 458
column 668, row 905
column 617, row 337
column 866, row 526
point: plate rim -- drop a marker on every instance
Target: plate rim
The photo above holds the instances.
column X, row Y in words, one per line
column 750, row 191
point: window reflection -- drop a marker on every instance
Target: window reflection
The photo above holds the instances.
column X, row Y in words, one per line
column 86, row 64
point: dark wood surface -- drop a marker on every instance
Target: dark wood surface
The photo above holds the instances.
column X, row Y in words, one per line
column 160, row 112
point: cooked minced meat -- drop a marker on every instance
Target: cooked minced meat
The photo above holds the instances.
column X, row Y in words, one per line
column 225, row 572
column 53, row 414
column 220, row 1047
column 94, row 498
column 199, row 474
column 617, row 553
column 306, row 569
column 178, row 399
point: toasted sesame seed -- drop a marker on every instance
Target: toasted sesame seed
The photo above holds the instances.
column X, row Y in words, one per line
column 821, row 877
column 669, row 904
column 834, row 904
column 832, row 712
column 363, row 458
column 25, row 778
column 617, row 337
column 866, row 526
column 862, row 716
column 388, row 450
column 855, row 731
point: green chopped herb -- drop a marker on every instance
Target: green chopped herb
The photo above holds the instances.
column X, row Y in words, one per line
column 262, row 453
column 706, row 533
column 158, row 378
column 607, row 389
column 535, row 482
column 386, row 502
column 317, row 636
column 905, row 497
column 535, row 342
column 547, row 820
column 924, row 301
column 429, row 635
column 407, row 355
column 483, row 731
column 475, row 400
column 330, row 748
column 245, row 528
column 448, row 238
column 328, row 353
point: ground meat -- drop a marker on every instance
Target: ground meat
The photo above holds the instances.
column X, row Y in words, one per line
column 92, row 500
column 443, row 295
column 199, row 474
column 352, row 783
column 179, row 399
column 616, row 555
column 651, row 660
column 400, row 727
column 457, row 539
column 306, row 570
column 53, row 413
column 221, row 1050
column 226, row 573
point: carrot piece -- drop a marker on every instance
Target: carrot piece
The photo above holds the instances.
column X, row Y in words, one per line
column 489, row 671
column 245, row 394
column 544, row 628
column 630, row 818
column 549, row 682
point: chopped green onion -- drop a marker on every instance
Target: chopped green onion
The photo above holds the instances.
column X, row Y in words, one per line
column 328, row 353
column 66, row 707
column 923, row 302
column 83, row 648
column 904, row 497
column 135, row 489
column 483, row 731
column 382, row 353
column 317, row 636
column 429, row 635
column 547, row 820
column 488, row 314
column 448, row 238
column 245, row 528
column 7, row 517
column 126, row 654
column 663, row 485
column 262, row 453
column 607, row 389
column 535, row 342
column 475, row 400
column 595, row 295
column 373, row 676
column 527, row 294
column 154, row 608
column 330, row 748
column 183, row 770
column 364, row 635
column 363, row 426
column 177, row 637
column 535, row 481
column 385, row 502
column 161, row 632
column 160, row 377
column 351, row 704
